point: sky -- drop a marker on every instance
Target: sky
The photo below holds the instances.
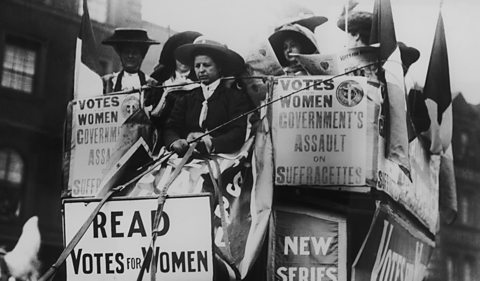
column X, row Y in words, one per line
column 245, row 24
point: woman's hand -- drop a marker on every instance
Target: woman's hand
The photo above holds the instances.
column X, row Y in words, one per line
column 204, row 144
column 180, row 147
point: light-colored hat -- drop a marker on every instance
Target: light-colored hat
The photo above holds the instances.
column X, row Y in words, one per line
column 231, row 62
column 297, row 32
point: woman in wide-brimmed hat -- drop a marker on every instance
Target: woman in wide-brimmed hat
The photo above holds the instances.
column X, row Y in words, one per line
column 295, row 37
column 210, row 105
column 131, row 45
column 175, row 77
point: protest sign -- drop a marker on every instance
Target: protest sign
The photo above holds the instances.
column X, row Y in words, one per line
column 95, row 130
column 320, row 134
column 307, row 245
column 393, row 250
column 114, row 245
column 418, row 195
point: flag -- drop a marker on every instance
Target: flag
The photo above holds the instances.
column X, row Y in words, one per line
column 87, row 82
column 438, row 99
column 447, row 188
column 383, row 32
column 438, row 96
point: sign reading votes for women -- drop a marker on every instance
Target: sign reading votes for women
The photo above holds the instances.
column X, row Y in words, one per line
column 96, row 128
column 320, row 134
column 307, row 245
column 114, row 246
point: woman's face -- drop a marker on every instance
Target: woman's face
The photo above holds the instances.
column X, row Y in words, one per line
column 291, row 46
column 131, row 57
column 206, row 69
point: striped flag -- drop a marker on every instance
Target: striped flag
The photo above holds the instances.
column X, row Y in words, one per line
column 438, row 99
column 87, row 82
column 383, row 32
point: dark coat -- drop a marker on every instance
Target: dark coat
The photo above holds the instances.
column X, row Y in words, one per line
column 224, row 105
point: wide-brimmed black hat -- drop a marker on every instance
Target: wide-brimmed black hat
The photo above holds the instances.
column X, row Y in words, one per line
column 302, row 35
column 230, row 61
column 166, row 62
column 129, row 35
column 408, row 55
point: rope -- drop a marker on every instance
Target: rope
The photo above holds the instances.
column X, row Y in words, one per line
column 271, row 101
column 154, row 163
column 78, row 236
column 158, row 216
column 317, row 83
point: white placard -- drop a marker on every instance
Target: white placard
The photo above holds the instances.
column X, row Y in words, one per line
column 320, row 134
column 96, row 128
column 114, row 245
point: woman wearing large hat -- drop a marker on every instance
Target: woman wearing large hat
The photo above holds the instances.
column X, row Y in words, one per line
column 211, row 104
column 131, row 45
column 295, row 37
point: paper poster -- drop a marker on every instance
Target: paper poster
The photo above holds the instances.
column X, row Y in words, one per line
column 95, row 130
column 319, row 134
column 307, row 245
column 114, row 246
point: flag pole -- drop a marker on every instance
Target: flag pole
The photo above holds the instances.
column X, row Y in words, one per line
column 346, row 24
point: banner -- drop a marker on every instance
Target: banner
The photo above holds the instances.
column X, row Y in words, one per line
column 419, row 196
column 246, row 189
column 307, row 245
column 320, row 134
column 114, row 246
column 95, row 130
column 392, row 250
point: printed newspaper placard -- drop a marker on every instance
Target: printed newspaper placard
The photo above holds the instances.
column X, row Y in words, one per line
column 393, row 250
column 114, row 245
column 95, row 131
column 319, row 134
column 419, row 195
column 307, row 245
column 348, row 60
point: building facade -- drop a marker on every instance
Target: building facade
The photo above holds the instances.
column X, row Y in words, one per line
column 457, row 255
column 37, row 50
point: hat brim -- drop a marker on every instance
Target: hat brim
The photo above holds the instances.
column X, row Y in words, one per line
column 114, row 42
column 231, row 62
column 311, row 22
column 276, row 41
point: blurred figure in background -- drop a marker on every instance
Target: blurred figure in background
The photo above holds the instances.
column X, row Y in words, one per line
column 174, row 76
column 359, row 25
